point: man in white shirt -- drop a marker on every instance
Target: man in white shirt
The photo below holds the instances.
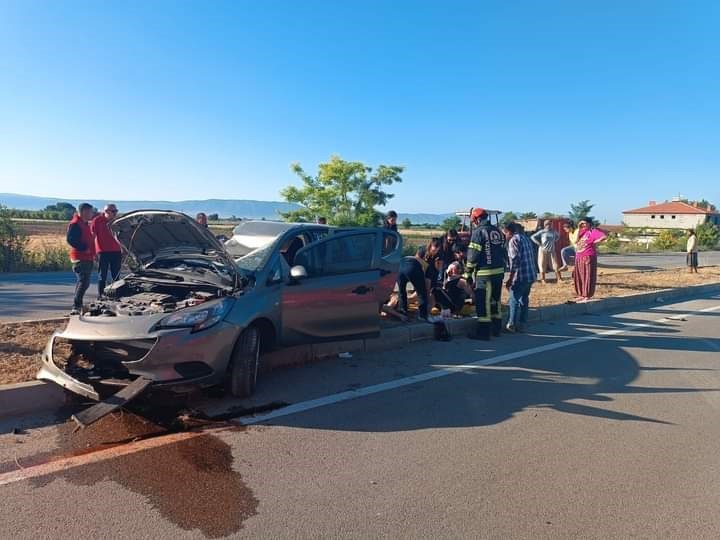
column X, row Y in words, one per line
column 546, row 238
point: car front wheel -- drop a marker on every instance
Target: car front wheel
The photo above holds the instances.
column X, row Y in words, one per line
column 245, row 364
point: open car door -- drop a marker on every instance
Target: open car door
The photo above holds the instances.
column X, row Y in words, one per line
column 333, row 292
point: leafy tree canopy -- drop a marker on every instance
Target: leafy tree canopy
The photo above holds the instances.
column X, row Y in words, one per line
column 528, row 215
column 347, row 192
column 452, row 222
column 708, row 235
column 508, row 217
column 581, row 210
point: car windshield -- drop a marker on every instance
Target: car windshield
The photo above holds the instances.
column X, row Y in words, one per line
column 261, row 228
column 256, row 259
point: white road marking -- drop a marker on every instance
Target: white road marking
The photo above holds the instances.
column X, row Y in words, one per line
column 63, row 464
column 332, row 399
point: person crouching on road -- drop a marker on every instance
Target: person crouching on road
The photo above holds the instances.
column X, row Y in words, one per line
column 412, row 270
column 82, row 252
column 486, row 268
column 106, row 246
column 692, row 252
column 521, row 276
column 546, row 240
column 453, row 294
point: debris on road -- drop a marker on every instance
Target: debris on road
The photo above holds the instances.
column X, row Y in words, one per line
column 114, row 402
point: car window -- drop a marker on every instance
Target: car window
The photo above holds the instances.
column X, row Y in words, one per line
column 390, row 242
column 275, row 275
column 342, row 255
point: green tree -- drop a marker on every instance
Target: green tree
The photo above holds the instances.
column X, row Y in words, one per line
column 528, row 215
column 452, row 222
column 508, row 217
column 213, row 217
column 347, row 192
column 12, row 243
column 406, row 223
column 581, row 210
column 708, row 235
column 669, row 240
column 548, row 215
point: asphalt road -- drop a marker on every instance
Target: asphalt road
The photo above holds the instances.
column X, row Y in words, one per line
column 49, row 294
column 601, row 427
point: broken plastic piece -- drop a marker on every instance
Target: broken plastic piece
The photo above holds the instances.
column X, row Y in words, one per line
column 114, row 402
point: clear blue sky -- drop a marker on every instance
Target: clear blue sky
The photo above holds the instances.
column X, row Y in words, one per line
column 505, row 104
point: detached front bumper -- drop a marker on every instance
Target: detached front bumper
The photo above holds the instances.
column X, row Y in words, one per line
column 177, row 358
column 49, row 371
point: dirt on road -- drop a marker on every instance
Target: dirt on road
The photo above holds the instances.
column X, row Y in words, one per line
column 614, row 282
column 20, row 348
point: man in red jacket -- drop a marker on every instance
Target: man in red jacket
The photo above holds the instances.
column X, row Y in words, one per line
column 106, row 246
column 82, row 252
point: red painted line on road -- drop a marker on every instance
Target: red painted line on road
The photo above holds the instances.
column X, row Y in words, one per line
column 65, row 463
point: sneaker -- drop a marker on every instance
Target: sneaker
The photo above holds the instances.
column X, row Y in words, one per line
column 74, row 311
column 510, row 329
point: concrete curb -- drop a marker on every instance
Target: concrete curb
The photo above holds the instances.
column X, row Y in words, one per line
column 37, row 321
column 39, row 396
column 29, row 397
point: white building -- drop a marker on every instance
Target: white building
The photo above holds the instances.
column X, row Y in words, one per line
column 670, row 215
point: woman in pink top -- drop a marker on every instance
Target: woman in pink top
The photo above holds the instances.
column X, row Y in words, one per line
column 585, row 274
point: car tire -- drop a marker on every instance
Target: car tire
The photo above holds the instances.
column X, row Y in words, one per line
column 245, row 364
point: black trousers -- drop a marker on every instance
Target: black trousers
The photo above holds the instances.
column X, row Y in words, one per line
column 487, row 297
column 442, row 298
column 411, row 272
column 108, row 260
column 83, row 271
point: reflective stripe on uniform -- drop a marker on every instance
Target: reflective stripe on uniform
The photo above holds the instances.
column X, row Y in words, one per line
column 489, row 271
column 475, row 246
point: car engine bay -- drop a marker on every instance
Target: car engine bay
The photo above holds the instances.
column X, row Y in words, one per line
column 136, row 297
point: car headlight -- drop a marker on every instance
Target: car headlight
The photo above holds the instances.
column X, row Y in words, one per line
column 198, row 319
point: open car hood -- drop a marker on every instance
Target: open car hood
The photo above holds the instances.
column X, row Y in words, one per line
column 148, row 234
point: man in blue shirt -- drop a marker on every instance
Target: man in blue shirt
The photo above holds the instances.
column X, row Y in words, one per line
column 521, row 275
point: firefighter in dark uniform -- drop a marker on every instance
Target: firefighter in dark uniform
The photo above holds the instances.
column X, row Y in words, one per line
column 486, row 268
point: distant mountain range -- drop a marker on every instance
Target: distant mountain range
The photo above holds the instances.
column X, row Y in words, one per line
column 225, row 208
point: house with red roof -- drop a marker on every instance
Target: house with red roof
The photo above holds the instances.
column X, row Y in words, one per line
column 674, row 214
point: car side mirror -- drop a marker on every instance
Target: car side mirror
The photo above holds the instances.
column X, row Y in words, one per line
column 298, row 272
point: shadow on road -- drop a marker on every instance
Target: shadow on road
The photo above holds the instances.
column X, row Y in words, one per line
column 582, row 379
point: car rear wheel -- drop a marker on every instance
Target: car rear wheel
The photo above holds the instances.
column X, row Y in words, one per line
column 245, row 364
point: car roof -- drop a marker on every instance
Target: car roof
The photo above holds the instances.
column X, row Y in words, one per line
column 270, row 228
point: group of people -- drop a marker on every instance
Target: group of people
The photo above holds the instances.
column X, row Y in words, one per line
column 446, row 272
column 91, row 240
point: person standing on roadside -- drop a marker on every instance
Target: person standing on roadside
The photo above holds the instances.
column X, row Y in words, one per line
column 546, row 238
column 485, row 269
column 108, row 249
column 521, row 276
column 202, row 220
column 692, row 252
column 82, row 252
column 390, row 221
column 585, row 273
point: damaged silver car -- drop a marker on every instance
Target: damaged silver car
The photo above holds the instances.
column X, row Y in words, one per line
column 191, row 315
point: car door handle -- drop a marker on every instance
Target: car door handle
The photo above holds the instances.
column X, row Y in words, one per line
column 362, row 289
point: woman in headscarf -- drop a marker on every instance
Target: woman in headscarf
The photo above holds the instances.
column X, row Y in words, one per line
column 585, row 273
